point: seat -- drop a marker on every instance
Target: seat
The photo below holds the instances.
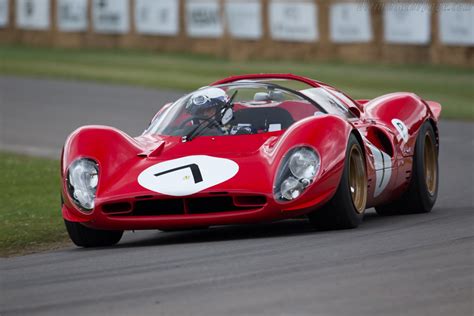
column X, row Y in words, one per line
column 261, row 118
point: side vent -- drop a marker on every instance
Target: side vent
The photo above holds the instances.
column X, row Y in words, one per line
column 380, row 139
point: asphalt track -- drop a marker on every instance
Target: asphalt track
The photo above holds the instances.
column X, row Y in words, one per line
column 401, row 265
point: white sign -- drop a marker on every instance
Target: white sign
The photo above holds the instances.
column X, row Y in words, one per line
column 72, row 15
column 456, row 23
column 157, row 17
column 244, row 18
column 187, row 175
column 293, row 21
column 407, row 23
column 4, row 12
column 350, row 22
column 203, row 18
column 111, row 16
column 33, row 14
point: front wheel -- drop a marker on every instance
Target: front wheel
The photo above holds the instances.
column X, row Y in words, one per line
column 423, row 189
column 84, row 236
column 346, row 208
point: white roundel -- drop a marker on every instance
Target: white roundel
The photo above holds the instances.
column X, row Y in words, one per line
column 401, row 128
column 187, row 175
column 383, row 169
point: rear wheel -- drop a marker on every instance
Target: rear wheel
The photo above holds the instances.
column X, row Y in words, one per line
column 346, row 208
column 423, row 189
column 84, row 236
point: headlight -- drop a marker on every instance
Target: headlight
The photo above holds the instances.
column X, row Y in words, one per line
column 82, row 180
column 304, row 163
column 297, row 171
column 291, row 188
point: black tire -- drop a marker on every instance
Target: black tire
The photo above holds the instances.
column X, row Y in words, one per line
column 340, row 212
column 418, row 198
column 84, row 236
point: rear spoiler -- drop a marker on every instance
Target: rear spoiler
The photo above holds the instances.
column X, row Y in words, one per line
column 362, row 101
column 435, row 108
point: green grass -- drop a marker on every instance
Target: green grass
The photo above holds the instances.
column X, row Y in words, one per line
column 30, row 216
column 452, row 87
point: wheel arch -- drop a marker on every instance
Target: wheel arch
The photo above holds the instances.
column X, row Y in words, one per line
column 329, row 136
column 436, row 131
column 359, row 138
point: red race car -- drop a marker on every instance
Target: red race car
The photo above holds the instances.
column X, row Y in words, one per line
column 249, row 149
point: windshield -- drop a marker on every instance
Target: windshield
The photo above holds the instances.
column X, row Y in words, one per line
column 238, row 108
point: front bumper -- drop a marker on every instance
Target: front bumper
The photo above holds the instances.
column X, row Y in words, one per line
column 150, row 212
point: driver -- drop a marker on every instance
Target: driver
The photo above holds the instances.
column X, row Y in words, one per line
column 205, row 108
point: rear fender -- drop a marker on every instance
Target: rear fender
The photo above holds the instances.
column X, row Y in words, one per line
column 435, row 109
column 403, row 113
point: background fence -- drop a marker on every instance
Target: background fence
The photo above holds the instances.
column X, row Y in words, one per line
column 436, row 31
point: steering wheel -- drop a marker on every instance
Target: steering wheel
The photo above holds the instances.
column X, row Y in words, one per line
column 189, row 119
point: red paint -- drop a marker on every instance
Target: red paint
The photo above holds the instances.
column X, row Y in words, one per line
column 308, row 81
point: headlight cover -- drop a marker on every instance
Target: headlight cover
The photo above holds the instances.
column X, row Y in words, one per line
column 304, row 163
column 82, row 180
column 297, row 171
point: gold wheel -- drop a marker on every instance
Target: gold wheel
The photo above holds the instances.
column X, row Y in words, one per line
column 431, row 172
column 357, row 179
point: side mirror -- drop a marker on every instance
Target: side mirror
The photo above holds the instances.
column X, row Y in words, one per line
column 354, row 110
column 227, row 115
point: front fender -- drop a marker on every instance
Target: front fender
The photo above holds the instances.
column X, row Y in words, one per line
column 97, row 143
column 328, row 135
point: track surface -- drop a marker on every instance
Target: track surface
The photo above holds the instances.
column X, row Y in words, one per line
column 402, row 265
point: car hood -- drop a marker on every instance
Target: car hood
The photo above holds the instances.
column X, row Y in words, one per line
column 208, row 164
column 172, row 146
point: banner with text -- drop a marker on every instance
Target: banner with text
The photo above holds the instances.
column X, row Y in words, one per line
column 111, row 16
column 244, row 18
column 456, row 23
column 72, row 15
column 203, row 18
column 33, row 14
column 407, row 23
column 293, row 21
column 4, row 13
column 157, row 17
column 350, row 22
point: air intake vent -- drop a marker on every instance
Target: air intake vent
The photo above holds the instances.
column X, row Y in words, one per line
column 180, row 206
column 117, row 208
column 159, row 207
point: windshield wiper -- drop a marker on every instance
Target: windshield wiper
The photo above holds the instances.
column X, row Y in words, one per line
column 194, row 132
column 212, row 120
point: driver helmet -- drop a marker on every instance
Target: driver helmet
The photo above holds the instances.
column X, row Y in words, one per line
column 201, row 102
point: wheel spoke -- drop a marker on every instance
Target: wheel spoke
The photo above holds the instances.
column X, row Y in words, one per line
column 357, row 179
column 430, row 167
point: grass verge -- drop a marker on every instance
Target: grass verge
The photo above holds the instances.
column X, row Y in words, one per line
column 30, row 217
column 453, row 87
